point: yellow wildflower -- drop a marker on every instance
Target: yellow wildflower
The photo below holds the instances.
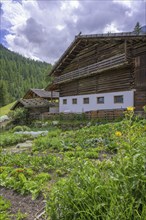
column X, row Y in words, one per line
column 118, row 134
column 130, row 108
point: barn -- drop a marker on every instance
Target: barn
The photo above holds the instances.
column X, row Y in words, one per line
column 41, row 93
column 101, row 73
column 36, row 107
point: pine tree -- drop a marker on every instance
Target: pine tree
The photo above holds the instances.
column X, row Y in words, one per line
column 4, row 96
column 137, row 28
column 18, row 74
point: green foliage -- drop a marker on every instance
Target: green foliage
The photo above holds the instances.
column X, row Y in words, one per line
column 21, row 128
column 18, row 74
column 4, row 97
column 97, row 172
column 4, row 209
column 108, row 189
column 9, row 139
column 23, row 180
column 137, row 28
column 6, row 109
column 20, row 215
column 19, row 116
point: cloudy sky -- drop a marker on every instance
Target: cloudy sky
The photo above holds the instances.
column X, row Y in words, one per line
column 43, row 29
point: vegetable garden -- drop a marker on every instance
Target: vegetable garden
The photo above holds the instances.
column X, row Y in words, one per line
column 96, row 172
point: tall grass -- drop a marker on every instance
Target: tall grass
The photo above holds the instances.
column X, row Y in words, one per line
column 110, row 189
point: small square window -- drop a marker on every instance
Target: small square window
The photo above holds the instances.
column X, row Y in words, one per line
column 118, row 99
column 74, row 101
column 64, row 101
column 86, row 100
column 100, row 100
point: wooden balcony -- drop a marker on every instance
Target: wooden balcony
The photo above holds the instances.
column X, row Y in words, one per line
column 98, row 67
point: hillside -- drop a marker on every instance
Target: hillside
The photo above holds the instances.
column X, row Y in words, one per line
column 18, row 74
column 5, row 109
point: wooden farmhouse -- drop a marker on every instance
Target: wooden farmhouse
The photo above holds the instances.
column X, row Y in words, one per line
column 41, row 93
column 103, row 72
column 38, row 102
column 36, row 106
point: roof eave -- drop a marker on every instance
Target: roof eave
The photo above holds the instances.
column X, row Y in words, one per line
column 67, row 51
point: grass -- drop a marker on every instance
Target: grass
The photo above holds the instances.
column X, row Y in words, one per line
column 5, row 109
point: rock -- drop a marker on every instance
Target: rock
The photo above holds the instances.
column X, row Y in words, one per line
column 32, row 133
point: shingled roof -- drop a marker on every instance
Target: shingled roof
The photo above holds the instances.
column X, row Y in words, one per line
column 32, row 103
column 43, row 93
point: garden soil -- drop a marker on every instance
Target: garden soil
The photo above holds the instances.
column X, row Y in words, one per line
column 23, row 204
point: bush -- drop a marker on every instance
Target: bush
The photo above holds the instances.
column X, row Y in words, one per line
column 21, row 128
column 19, row 116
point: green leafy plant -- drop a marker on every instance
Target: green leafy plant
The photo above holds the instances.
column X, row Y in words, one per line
column 21, row 128
column 9, row 139
column 19, row 116
column 108, row 189
column 4, row 209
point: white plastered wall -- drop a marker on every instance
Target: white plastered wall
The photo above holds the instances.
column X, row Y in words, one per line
column 54, row 109
column 128, row 97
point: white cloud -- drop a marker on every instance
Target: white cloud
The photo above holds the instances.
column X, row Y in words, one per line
column 44, row 29
column 14, row 15
column 112, row 28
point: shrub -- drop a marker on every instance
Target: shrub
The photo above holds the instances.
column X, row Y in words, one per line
column 19, row 116
column 17, row 128
column 21, row 128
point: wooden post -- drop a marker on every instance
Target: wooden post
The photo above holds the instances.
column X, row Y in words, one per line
column 51, row 95
column 125, row 48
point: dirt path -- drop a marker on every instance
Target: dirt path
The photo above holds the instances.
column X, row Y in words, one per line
column 24, row 204
column 19, row 148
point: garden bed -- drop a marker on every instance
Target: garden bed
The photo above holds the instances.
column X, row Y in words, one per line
column 81, row 174
column 23, row 204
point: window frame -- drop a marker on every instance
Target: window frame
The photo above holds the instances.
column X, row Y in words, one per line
column 98, row 101
column 74, row 101
column 64, row 102
column 85, row 100
column 117, row 101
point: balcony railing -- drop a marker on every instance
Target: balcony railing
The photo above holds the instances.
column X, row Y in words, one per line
column 103, row 65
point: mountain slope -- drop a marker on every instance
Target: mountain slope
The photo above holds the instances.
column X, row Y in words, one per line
column 18, row 74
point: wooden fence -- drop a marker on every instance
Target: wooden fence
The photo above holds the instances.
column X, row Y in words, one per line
column 109, row 115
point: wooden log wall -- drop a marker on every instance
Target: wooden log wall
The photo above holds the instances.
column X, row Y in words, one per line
column 34, row 113
column 116, row 80
column 139, row 99
column 110, row 81
column 87, row 85
column 139, row 53
column 30, row 95
column 140, row 71
column 94, row 52
column 68, row 89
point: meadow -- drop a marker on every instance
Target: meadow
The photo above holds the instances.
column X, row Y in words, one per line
column 94, row 172
column 6, row 109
